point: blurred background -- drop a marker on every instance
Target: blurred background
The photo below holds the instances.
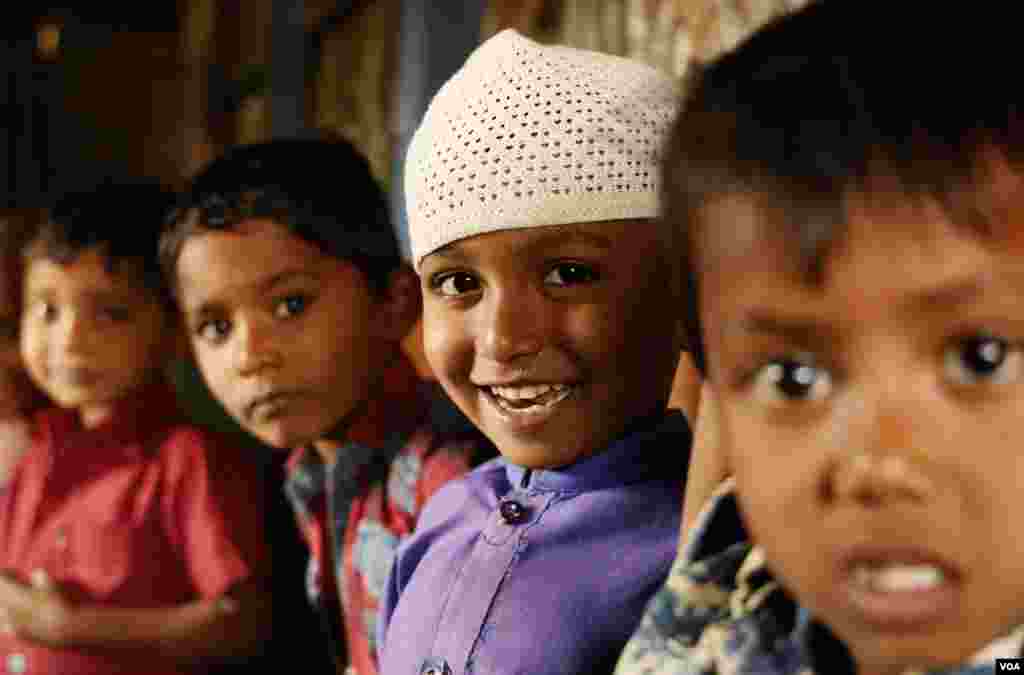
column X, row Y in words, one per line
column 160, row 87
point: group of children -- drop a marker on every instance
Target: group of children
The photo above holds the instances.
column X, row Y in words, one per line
column 818, row 221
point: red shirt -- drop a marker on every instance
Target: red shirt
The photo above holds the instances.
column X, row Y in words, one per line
column 143, row 511
column 409, row 442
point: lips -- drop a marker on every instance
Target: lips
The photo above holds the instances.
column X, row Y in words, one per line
column 268, row 406
column 899, row 589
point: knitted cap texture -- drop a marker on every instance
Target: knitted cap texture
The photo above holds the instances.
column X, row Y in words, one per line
column 528, row 135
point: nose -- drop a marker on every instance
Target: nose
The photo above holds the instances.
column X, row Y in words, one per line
column 256, row 348
column 889, row 463
column 513, row 324
column 75, row 334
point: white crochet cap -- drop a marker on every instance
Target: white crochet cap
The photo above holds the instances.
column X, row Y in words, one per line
column 527, row 135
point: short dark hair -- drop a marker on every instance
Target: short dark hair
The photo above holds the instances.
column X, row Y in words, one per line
column 818, row 105
column 319, row 188
column 120, row 216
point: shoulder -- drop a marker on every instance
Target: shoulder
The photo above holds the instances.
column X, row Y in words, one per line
column 186, row 449
column 468, row 497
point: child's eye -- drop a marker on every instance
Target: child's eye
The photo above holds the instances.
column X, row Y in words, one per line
column 982, row 359
column 454, row 283
column 48, row 312
column 9, row 329
column 116, row 313
column 567, row 274
column 290, row 306
column 789, row 381
column 214, row 331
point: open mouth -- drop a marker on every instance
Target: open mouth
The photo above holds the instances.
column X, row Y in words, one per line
column 530, row 398
column 902, row 590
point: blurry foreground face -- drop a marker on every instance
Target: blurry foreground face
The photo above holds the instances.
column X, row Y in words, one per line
column 874, row 426
column 90, row 337
column 552, row 339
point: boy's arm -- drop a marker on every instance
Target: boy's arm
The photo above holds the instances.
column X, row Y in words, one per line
column 232, row 626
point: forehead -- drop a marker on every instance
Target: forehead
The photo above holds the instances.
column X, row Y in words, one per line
column 625, row 237
column 247, row 257
column 885, row 254
column 88, row 271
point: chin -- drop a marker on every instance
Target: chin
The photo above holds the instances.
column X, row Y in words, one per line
column 537, row 456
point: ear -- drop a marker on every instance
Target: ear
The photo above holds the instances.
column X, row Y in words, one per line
column 401, row 303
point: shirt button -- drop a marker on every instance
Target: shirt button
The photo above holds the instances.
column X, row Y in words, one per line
column 17, row 663
column 512, row 511
column 435, row 667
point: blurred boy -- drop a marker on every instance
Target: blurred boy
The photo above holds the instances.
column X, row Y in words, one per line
column 128, row 539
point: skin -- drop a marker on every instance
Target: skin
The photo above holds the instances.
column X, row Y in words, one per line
column 577, row 305
column 268, row 313
column 864, row 422
column 89, row 337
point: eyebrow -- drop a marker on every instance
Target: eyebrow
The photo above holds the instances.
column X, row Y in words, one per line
column 264, row 286
column 805, row 332
column 947, row 297
column 814, row 332
column 456, row 251
column 284, row 277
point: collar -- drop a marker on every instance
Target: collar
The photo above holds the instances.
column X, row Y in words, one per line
column 398, row 406
column 657, row 446
column 718, row 561
column 133, row 422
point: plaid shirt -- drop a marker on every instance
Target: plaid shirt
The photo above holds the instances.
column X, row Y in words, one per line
column 409, row 443
column 721, row 612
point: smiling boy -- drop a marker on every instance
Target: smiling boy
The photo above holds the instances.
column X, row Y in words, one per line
column 856, row 291
column 548, row 290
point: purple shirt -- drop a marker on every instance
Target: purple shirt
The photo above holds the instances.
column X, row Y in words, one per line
column 516, row 571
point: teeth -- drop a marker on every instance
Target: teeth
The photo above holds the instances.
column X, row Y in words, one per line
column 527, row 391
column 897, row 578
column 530, row 398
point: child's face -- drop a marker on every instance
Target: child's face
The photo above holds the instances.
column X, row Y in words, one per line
column 874, row 426
column 89, row 337
column 290, row 340
column 552, row 339
column 17, row 394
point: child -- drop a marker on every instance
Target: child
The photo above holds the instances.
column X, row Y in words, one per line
column 296, row 299
column 548, row 296
column 857, row 290
column 127, row 541
column 19, row 398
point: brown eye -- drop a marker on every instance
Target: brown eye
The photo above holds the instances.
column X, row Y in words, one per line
column 567, row 274
column 455, row 283
column 982, row 359
column 790, row 381
column 214, row 331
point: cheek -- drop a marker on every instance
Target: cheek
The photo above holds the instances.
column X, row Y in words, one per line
column 447, row 343
column 214, row 367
